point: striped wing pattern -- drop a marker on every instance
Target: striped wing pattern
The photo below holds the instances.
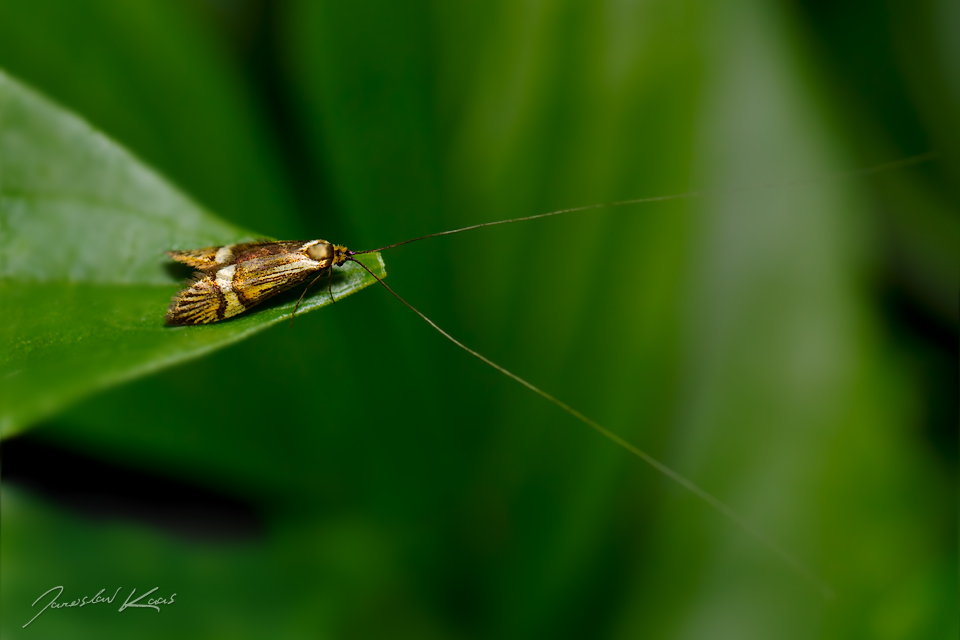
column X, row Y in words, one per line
column 202, row 259
column 234, row 278
column 201, row 303
column 260, row 278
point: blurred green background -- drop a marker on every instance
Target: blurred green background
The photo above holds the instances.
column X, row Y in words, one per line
column 793, row 350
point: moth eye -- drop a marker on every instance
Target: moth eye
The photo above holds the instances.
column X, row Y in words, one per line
column 320, row 252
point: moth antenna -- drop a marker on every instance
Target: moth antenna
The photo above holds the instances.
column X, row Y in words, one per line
column 856, row 173
column 791, row 560
column 300, row 299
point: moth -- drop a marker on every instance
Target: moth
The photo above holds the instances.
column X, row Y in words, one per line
column 232, row 278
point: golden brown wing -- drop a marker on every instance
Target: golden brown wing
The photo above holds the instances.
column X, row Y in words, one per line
column 210, row 258
column 200, row 303
column 216, row 295
column 203, row 259
column 260, row 278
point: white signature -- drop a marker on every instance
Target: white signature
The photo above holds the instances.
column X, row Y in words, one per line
column 152, row 603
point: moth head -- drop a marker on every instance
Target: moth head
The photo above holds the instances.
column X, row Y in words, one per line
column 340, row 254
column 322, row 251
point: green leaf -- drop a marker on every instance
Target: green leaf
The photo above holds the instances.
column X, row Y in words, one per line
column 84, row 282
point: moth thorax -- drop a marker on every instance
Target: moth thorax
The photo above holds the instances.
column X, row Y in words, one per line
column 321, row 252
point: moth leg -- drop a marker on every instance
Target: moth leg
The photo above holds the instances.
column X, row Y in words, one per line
column 300, row 299
column 330, row 284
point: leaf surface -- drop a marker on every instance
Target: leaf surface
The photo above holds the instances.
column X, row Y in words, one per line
column 84, row 282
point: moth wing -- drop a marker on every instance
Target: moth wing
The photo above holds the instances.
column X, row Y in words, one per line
column 203, row 259
column 260, row 278
column 200, row 303
column 230, row 290
column 210, row 258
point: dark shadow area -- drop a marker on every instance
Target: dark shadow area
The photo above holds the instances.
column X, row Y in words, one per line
column 100, row 490
column 933, row 345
